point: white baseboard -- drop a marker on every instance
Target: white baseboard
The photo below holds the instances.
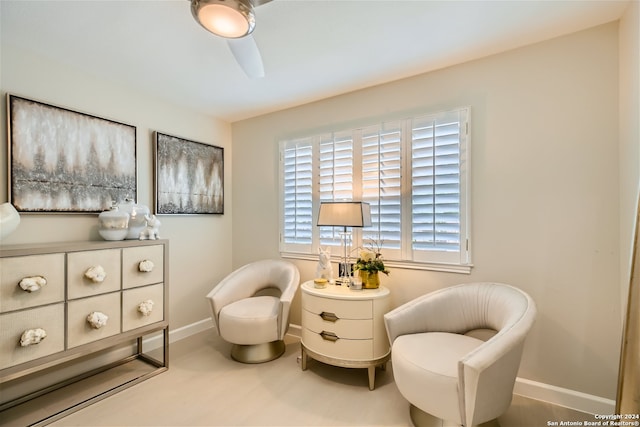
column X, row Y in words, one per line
column 564, row 397
column 155, row 341
column 532, row 389
column 188, row 330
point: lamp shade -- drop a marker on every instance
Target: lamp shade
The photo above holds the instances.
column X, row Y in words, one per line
column 225, row 18
column 345, row 214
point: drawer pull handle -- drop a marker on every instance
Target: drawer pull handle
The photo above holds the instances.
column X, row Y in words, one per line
column 32, row 283
column 329, row 336
column 97, row 319
column 32, row 336
column 145, row 266
column 329, row 317
column 145, row 307
column 96, row 274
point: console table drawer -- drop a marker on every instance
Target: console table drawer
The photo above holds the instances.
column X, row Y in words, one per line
column 344, row 328
column 132, row 315
column 79, row 285
column 50, row 318
column 14, row 269
column 79, row 331
column 343, row 309
column 132, row 275
column 341, row 348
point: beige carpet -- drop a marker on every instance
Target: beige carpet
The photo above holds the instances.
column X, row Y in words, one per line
column 204, row 387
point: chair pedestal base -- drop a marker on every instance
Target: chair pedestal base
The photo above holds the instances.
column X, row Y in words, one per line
column 257, row 353
column 419, row 418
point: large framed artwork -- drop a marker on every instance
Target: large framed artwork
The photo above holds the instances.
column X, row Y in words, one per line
column 64, row 161
column 189, row 176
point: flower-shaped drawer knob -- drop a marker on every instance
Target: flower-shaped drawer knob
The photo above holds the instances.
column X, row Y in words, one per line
column 32, row 337
column 32, row 283
column 96, row 274
column 145, row 307
column 97, row 319
column 146, row 266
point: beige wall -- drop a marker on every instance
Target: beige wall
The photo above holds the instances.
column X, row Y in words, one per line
column 199, row 245
column 545, row 185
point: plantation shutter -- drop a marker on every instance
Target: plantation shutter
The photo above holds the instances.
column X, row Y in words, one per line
column 381, row 185
column 297, row 176
column 435, row 186
column 335, row 176
column 413, row 172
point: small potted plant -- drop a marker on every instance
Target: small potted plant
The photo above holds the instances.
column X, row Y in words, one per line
column 369, row 264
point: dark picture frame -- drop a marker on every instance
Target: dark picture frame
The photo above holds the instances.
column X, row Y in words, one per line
column 189, row 176
column 65, row 161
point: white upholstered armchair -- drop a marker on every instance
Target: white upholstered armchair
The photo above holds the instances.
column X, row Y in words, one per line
column 456, row 351
column 251, row 309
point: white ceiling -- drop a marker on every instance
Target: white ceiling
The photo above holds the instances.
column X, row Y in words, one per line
column 312, row 49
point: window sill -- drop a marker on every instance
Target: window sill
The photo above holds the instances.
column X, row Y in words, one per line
column 445, row 268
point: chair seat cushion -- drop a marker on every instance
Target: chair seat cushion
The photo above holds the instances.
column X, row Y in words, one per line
column 250, row 321
column 425, row 367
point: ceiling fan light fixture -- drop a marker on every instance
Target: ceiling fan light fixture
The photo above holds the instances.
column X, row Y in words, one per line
column 226, row 18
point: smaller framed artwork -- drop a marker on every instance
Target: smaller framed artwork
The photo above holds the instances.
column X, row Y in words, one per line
column 63, row 161
column 189, row 177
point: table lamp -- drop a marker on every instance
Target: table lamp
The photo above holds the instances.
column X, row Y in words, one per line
column 345, row 214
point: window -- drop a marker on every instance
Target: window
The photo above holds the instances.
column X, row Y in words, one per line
column 413, row 172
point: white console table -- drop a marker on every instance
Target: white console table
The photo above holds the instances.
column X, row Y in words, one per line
column 344, row 327
column 128, row 290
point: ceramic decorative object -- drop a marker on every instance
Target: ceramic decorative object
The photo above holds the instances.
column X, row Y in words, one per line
column 370, row 279
column 97, row 319
column 137, row 217
column 113, row 224
column 145, row 307
column 9, row 219
column 32, row 284
column 152, row 230
column 32, row 336
column 96, row 274
column 324, row 269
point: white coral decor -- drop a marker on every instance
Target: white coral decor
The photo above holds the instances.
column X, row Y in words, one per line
column 32, row 336
column 97, row 320
column 145, row 307
column 32, row 284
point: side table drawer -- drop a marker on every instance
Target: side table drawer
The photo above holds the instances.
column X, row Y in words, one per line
column 132, row 316
column 344, row 328
column 50, row 318
column 79, row 262
column 132, row 276
column 80, row 331
column 345, row 349
column 13, row 270
column 343, row 309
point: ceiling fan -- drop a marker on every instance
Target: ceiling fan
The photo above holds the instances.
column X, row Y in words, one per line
column 235, row 21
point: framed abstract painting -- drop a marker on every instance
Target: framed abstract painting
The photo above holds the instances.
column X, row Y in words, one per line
column 64, row 161
column 189, row 176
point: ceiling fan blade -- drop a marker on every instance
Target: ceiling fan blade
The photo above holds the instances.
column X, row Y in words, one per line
column 246, row 52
